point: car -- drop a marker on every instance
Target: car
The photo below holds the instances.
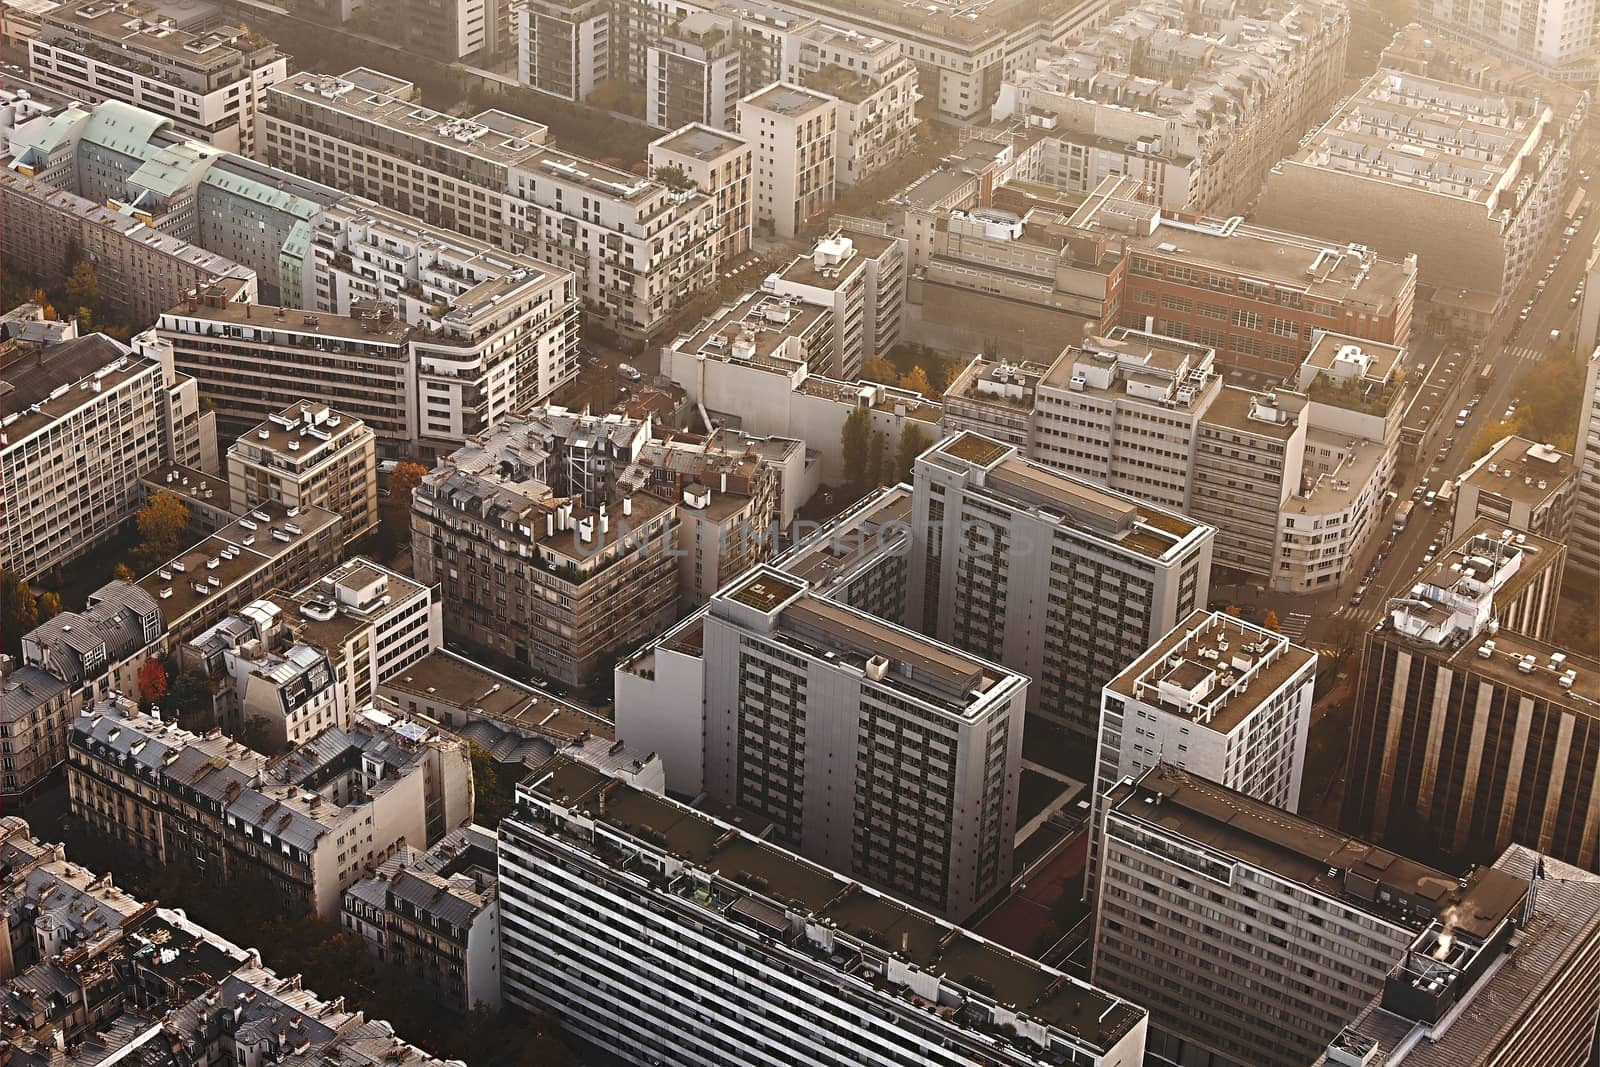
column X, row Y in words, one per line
column 1450, row 441
column 1444, row 454
column 1416, row 494
column 1572, row 301
column 1433, row 547
column 1583, row 176
column 1462, row 416
column 1511, row 413
column 629, row 372
column 1428, row 500
column 1365, row 581
column 1522, row 316
column 1427, row 559
column 1555, row 335
column 1355, row 601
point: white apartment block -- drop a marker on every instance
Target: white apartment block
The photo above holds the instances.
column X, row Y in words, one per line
column 866, row 746
column 793, row 133
column 1470, row 180
column 1583, row 544
column 692, row 73
column 208, row 78
column 860, row 277
column 721, row 165
column 312, row 823
column 638, row 248
column 1554, row 37
column 563, row 48
column 1253, row 935
column 86, row 418
column 876, row 89
column 1056, row 577
column 661, row 934
column 1217, row 697
column 1158, row 93
column 309, row 454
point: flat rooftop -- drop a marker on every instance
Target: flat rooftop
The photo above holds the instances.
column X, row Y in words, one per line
column 1521, row 470
column 700, row 142
column 41, row 385
column 1313, row 855
column 1250, row 666
column 802, row 269
column 299, row 424
column 763, row 881
column 1232, row 408
column 791, row 101
column 1331, row 349
column 1542, row 682
column 138, row 28
column 766, row 319
column 963, row 22
column 854, row 539
column 442, row 677
column 288, row 326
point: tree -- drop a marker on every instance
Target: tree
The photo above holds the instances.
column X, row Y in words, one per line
column 913, row 442
column 856, row 441
column 152, row 680
column 878, row 369
column 85, row 319
column 404, row 479
column 18, row 610
column 49, row 605
column 122, row 572
column 916, row 379
column 1271, row 621
column 493, row 796
column 877, row 453
column 83, row 285
column 162, row 523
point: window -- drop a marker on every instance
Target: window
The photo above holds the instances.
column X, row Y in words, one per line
column 1176, row 303
column 1246, row 320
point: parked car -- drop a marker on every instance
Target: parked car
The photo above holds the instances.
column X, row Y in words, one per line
column 1555, row 335
column 629, row 371
column 1428, row 500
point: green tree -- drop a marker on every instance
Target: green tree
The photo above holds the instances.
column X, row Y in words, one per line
column 19, row 612
column 48, row 605
column 913, row 442
column 163, row 524
column 856, row 440
column 85, row 319
column 877, row 455
column 916, row 379
column 122, row 572
column 83, row 285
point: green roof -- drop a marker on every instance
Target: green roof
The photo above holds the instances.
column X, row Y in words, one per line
column 124, row 128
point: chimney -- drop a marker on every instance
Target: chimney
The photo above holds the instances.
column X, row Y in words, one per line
column 627, row 505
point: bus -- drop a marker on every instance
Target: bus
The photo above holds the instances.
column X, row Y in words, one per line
column 1402, row 514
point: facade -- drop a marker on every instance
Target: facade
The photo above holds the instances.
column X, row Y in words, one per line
column 1521, row 484
column 1473, row 731
column 309, row 455
column 865, row 746
column 860, row 277
column 859, row 558
column 563, row 47
column 875, row 86
column 692, row 73
column 1537, row 1008
column 1557, row 40
column 1583, row 545
column 475, row 31
column 1057, row 578
column 637, row 248
column 721, row 165
column 794, row 139
column 209, row 78
column 1253, row 934
column 85, row 419
column 1408, row 159
column 801, row 961
column 1199, row 105
column 436, row 915
column 308, row 823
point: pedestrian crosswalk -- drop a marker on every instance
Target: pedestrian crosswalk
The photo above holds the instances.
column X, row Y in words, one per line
column 1523, row 352
column 1294, row 625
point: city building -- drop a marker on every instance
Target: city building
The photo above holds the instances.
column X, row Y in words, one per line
column 638, row 248
column 692, row 72
column 1471, row 180
column 206, row 75
column 859, row 276
column 1452, row 1002
column 1522, row 484
column 1197, row 104
column 794, row 141
column 862, row 744
column 859, row 557
column 1583, row 543
column 1557, row 40
column 436, row 915
column 994, row 397
column 802, row 963
column 721, row 165
column 963, row 180
column 85, row 418
column 1252, row 934
column 452, row 31
column 1058, row 578
column 875, row 87
column 308, row 824
column 563, row 46
column 309, row 455
column 1472, row 731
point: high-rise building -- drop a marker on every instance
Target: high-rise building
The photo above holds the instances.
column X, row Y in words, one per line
column 794, row 136
column 563, row 46
column 660, row 934
column 1472, row 731
column 308, row 454
column 720, row 164
column 1583, row 544
column 1523, row 484
column 1458, row 999
column 1253, row 935
column 85, row 419
column 860, row 277
column 1058, row 578
column 1557, row 40
column 207, row 76
column 865, row 746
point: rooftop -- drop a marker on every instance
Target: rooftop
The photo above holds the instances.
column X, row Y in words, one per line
column 42, row 385
column 699, row 141
column 835, row 259
column 291, row 327
column 875, row 524
column 791, row 101
column 1214, row 670
column 962, row 22
column 1521, row 470
column 1251, row 412
column 442, row 677
column 753, row 329
column 140, row 28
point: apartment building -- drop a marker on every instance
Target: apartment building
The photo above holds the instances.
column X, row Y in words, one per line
column 793, row 133
column 1253, row 934
column 206, row 75
column 692, row 72
column 116, row 998
column 141, row 270
column 859, row 557
column 860, row 276
column 1472, row 730
column 1408, row 159
column 563, row 46
column 906, row 777
column 1557, row 40
column 749, row 365
column 637, row 248
column 721, row 165
column 67, row 664
column 309, row 823
column 803, row 962
column 1456, row 1008
column 875, row 86
column 1198, row 105
column 1058, row 578
column 1583, row 544
column 1523, row 484
column 309, row 455
column 471, row 31
column 994, row 397
column 436, row 915
column 85, row 419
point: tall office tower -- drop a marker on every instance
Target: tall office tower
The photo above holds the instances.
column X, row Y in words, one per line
column 1583, row 543
column 1459, row 999
column 663, row 935
column 866, row 747
column 1253, row 935
column 1472, row 732
column 1058, row 578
